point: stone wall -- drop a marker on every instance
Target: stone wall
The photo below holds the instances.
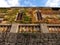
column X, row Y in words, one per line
column 32, row 39
column 38, row 39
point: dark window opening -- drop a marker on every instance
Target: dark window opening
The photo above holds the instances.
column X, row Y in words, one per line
column 55, row 8
column 20, row 16
column 39, row 16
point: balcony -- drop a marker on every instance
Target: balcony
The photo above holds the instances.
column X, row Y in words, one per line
column 54, row 29
column 5, row 28
column 29, row 28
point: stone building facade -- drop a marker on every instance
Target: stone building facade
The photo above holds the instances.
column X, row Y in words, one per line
column 45, row 34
